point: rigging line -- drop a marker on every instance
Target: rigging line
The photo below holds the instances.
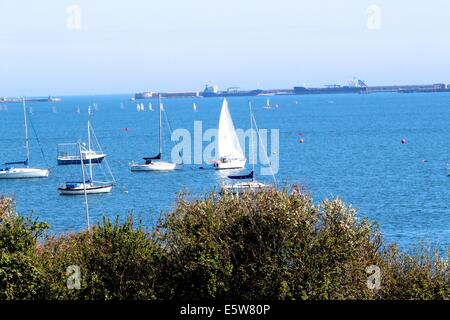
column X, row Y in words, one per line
column 101, row 151
column 170, row 129
column 38, row 141
column 265, row 151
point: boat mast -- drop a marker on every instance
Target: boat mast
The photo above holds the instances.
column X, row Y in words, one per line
column 27, row 148
column 89, row 151
column 86, row 205
column 160, row 125
column 251, row 142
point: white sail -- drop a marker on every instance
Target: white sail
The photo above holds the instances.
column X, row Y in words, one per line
column 228, row 143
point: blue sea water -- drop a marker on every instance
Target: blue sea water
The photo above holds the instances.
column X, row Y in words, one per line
column 352, row 149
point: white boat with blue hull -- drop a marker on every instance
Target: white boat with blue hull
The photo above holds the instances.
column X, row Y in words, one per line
column 86, row 186
column 21, row 169
column 79, row 187
column 88, row 156
column 66, row 157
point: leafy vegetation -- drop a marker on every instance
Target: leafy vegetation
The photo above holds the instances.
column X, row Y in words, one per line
column 261, row 245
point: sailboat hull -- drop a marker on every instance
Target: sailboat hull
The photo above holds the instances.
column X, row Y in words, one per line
column 154, row 166
column 23, row 173
column 90, row 189
column 242, row 187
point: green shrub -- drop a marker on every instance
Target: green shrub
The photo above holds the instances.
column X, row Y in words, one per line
column 20, row 278
column 265, row 245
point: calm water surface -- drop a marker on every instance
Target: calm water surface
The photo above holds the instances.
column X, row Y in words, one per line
column 352, row 149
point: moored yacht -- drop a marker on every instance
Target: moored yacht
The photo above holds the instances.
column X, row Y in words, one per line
column 230, row 155
column 10, row 171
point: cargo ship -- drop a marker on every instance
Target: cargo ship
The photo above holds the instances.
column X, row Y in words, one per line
column 142, row 95
column 213, row 91
column 17, row 100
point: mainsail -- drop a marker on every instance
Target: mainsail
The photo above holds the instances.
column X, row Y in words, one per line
column 228, row 143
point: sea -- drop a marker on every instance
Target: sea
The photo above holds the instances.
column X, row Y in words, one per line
column 386, row 154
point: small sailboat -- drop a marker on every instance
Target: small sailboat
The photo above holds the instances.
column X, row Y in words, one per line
column 85, row 187
column 194, row 107
column 138, row 107
column 12, row 172
column 77, row 110
column 229, row 151
column 150, row 107
column 267, row 106
column 250, row 183
column 155, row 163
column 87, row 154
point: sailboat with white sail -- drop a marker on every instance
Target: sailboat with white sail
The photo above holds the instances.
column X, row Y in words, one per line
column 155, row 163
column 267, row 106
column 194, row 107
column 12, row 172
column 249, row 181
column 229, row 151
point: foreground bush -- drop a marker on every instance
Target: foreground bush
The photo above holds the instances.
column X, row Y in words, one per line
column 262, row 245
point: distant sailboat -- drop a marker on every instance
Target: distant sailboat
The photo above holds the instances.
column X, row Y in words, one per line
column 194, row 107
column 155, row 163
column 11, row 172
column 150, row 107
column 267, row 106
column 229, row 151
column 77, row 110
column 138, row 107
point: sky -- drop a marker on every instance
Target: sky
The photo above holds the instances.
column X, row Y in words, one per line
column 103, row 47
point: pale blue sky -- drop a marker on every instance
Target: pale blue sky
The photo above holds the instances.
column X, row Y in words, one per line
column 176, row 45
